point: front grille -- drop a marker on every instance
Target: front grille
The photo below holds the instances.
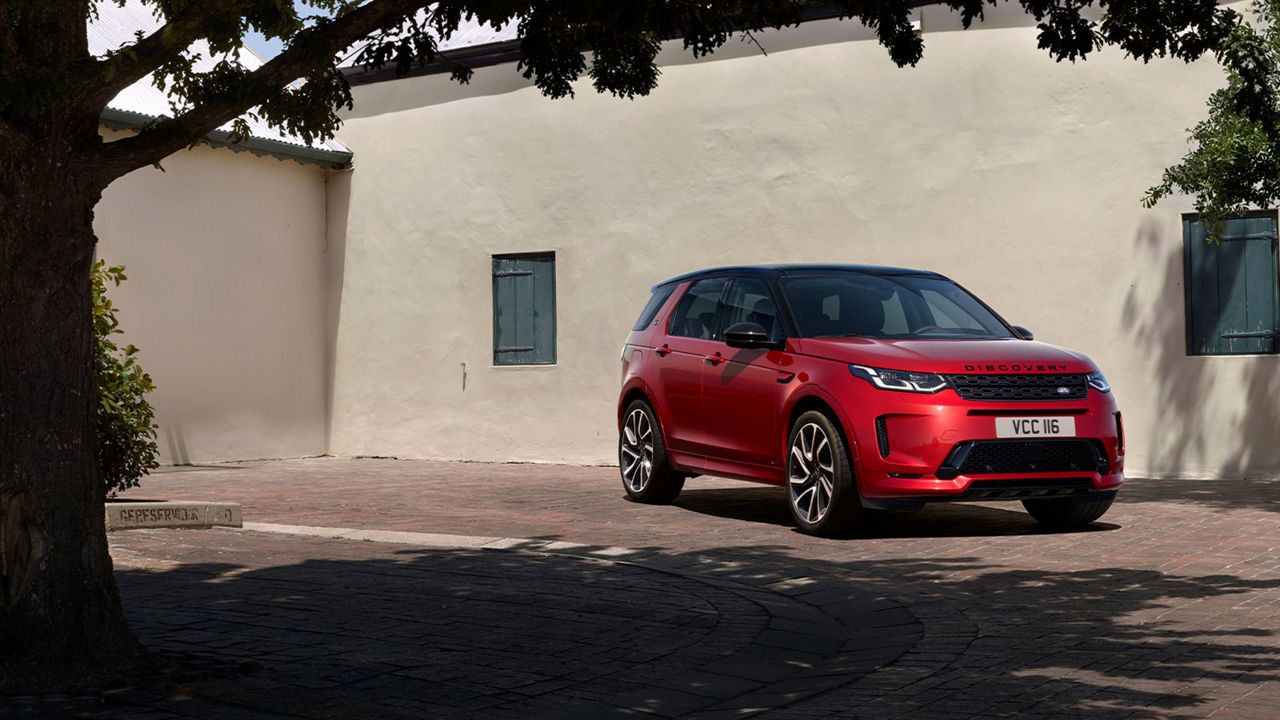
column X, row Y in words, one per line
column 1021, row 387
column 982, row 457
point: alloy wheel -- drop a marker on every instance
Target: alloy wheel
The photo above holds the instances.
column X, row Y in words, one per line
column 811, row 472
column 637, row 450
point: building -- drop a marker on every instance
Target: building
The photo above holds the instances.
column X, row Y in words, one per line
column 1019, row 177
column 232, row 282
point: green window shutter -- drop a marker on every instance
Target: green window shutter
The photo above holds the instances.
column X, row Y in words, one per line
column 524, row 309
column 1233, row 293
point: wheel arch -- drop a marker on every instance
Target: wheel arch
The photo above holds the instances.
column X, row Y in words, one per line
column 813, row 401
column 631, row 395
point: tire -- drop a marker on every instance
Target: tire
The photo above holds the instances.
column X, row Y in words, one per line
column 1070, row 512
column 642, row 458
column 821, row 493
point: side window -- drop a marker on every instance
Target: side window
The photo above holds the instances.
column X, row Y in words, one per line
column 1232, row 296
column 524, row 309
column 652, row 307
column 750, row 301
column 695, row 315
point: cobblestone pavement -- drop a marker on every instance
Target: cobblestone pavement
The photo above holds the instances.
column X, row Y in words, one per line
column 504, row 591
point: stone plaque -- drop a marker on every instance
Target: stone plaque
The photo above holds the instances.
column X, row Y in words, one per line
column 172, row 514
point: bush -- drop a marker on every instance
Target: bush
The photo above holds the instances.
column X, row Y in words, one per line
column 125, row 421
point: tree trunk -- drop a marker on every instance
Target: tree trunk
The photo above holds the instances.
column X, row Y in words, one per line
column 62, row 623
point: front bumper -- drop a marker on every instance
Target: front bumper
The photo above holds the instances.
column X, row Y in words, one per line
column 914, row 448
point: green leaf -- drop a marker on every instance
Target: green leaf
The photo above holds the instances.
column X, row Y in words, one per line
column 126, row 431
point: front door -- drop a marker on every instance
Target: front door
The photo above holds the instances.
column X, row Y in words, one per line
column 741, row 388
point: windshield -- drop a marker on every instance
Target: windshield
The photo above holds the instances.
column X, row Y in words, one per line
column 848, row 304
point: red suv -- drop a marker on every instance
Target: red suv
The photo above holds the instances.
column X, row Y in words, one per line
column 860, row 388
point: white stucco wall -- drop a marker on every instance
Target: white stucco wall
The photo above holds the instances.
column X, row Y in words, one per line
column 226, row 258
column 1015, row 175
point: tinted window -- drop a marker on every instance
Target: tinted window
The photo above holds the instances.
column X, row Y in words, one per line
column 652, row 307
column 856, row 304
column 695, row 315
column 750, row 301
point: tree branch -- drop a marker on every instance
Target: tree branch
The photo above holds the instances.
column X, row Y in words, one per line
column 308, row 50
column 131, row 63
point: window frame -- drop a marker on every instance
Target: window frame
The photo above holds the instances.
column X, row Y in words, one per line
column 551, row 354
column 1189, row 220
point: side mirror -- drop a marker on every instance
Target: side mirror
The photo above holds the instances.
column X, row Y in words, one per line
column 747, row 335
column 1024, row 333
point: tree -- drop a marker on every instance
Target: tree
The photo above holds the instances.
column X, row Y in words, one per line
column 1234, row 163
column 61, row 619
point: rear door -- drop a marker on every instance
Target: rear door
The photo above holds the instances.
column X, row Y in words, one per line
column 676, row 372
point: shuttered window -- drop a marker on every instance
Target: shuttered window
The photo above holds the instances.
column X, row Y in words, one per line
column 1233, row 297
column 524, row 309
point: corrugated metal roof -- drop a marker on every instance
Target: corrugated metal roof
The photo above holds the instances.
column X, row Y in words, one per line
column 117, row 25
column 470, row 33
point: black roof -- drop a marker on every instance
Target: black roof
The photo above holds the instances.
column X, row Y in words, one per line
column 799, row 269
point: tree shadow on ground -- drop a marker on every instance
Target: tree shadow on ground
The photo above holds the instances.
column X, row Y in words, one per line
column 371, row 630
column 767, row 505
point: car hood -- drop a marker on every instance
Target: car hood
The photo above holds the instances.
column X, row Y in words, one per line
column 948, row 356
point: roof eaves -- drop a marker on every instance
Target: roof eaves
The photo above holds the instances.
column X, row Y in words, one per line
column 507, row 51
column 332, row 159
column 476, row 56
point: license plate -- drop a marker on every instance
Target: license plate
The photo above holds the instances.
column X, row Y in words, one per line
column 1016, row 427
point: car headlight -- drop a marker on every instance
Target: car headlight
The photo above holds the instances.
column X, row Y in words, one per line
column 1098, row 382
column 901, row 380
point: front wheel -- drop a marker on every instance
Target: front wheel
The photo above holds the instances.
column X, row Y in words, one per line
column 821, row 492
column 1070, row 512
column 642, row 457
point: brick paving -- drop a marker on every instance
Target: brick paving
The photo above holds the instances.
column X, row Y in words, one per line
column 577, row 603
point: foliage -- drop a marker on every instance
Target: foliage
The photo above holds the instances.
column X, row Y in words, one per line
column 1234, row 163
column 126, row 432
column 195, row 56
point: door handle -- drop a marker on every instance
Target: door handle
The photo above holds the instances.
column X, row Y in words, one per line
column 715, row 359
column 663, row 351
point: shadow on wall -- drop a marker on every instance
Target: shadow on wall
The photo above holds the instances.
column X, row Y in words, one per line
column 1182, row 436
column 1257, row 451
column 175, row 441
column 464, row 634
column 337, row 190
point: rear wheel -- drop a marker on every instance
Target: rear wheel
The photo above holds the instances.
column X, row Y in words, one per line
column 642, row 458
column 1070, row 512
column 821, row 492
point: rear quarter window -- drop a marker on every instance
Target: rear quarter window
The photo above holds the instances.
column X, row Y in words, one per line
column 652, row 307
